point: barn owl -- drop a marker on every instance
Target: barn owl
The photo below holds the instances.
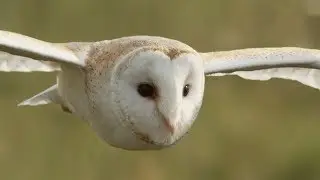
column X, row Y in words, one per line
column 143, row 92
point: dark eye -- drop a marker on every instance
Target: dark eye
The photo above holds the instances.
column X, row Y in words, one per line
column 146, row 90
column 186, row 90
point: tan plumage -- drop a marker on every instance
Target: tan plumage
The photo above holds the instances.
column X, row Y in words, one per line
column 143, row 92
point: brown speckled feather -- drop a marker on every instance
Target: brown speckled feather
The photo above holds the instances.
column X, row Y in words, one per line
column 104, row 53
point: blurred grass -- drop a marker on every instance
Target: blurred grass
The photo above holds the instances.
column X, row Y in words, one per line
column 247, row 130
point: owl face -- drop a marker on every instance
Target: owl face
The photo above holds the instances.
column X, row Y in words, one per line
column 157, row 96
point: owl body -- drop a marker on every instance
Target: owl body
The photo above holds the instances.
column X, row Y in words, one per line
column 143, row 92
column 92, row 92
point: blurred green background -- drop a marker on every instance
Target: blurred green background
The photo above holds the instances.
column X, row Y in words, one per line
column 246, row 130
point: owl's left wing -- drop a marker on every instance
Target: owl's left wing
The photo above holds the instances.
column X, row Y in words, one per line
column 293, row 63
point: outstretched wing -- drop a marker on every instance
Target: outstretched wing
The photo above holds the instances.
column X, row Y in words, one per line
column 22, row 53
column 293, row 63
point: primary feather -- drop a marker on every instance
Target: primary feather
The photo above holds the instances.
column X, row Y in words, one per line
column 47, row 96
column 19, row 53
column 12, row 63
column 291, row 63
column 309, row 77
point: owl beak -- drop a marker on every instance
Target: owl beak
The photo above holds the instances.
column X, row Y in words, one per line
column 168, row 125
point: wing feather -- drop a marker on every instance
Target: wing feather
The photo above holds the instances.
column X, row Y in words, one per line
column 292, row 63
column 22, row 53
column 11, row 63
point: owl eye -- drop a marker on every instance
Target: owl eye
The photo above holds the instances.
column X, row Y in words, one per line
column 186, row 90
column 147, row 90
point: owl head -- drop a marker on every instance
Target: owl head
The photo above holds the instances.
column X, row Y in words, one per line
column 151, row 94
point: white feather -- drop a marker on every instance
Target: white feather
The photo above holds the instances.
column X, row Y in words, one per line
column 19, row 52
column 297, row 64
column 9, row 63
column 47, row 96
column 309, row 77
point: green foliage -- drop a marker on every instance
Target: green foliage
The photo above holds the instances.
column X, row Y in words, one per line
column 247, row 130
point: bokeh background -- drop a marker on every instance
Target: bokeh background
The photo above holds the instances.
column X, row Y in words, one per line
column 246, row 130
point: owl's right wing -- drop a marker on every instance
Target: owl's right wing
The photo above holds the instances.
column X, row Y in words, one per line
column 25, row 54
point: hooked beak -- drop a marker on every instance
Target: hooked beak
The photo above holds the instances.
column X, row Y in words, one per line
column 168, row 121
column 169, row 126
